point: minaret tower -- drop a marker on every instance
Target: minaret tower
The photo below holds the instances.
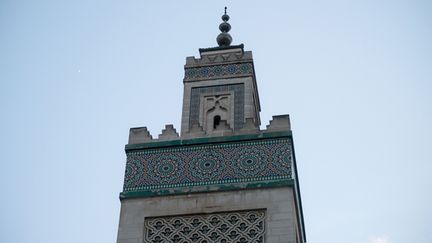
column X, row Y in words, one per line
column 223, row 179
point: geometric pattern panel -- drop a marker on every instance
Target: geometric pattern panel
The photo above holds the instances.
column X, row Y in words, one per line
column 218, row 71
column 208, row 164
column 243, row 226
column 238, row 90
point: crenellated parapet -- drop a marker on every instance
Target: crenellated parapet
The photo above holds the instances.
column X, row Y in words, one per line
column 169, row 133
column 279, row 123
column 140, row 135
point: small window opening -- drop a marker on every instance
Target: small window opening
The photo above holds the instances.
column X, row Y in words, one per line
column 216, row 121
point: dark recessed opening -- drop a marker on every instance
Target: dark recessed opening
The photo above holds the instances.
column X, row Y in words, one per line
column 216, row 121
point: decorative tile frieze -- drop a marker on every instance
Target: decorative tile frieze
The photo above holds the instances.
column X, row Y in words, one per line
column 208, row 164
column 242, row 226
column 198, row 73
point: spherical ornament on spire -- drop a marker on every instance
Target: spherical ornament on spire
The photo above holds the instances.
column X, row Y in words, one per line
column 224, row 39
column 224, row 27
column 225, row 17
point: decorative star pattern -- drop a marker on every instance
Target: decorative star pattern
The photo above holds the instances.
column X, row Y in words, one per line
column 210, row 164
column 197, row 73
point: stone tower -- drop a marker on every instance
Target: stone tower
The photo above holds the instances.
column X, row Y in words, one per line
column 223, row 179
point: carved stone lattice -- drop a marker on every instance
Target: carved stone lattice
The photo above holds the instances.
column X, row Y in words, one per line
column 243, row 226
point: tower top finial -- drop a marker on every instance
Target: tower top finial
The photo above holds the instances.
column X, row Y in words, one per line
column 224, row 39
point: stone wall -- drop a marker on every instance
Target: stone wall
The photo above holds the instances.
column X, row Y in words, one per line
column 278, row 203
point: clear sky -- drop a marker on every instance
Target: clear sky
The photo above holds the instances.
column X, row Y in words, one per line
column 355, row 77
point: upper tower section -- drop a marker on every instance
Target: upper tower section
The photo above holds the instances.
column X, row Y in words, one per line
column 220, row 90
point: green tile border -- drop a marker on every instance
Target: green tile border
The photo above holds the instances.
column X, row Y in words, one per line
column 209, row 188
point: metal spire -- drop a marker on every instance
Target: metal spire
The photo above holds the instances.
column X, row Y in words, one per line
column 224, row 39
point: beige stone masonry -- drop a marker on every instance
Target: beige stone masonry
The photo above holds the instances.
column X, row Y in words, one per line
column 139, row 135
column 278, row 203
column 169, row 133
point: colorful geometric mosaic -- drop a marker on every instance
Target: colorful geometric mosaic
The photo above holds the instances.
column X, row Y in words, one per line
column 208, row 164
column 218, row 71
column 245, row 226
column 195, row 100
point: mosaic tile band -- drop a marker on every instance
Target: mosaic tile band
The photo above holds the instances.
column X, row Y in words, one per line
column 209, row 164
column 245, row 226
column 218, row 71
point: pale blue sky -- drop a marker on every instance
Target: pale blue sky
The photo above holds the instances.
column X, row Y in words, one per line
column 355, row 76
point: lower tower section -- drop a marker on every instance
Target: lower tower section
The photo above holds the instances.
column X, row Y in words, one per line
column 237, row 188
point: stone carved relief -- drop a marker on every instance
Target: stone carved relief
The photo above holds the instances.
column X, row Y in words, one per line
column 207, row 72
column 197, row 113
column 243, row 226
column 216, row 108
